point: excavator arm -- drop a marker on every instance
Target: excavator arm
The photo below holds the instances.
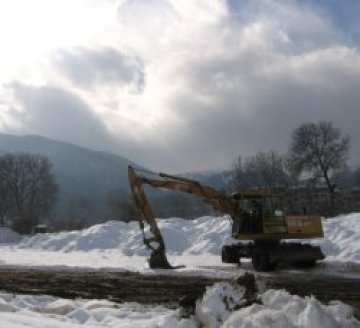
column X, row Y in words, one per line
column 216, row 199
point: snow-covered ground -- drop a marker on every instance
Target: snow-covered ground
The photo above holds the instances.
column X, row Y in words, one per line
column 197, row 244
column 117, row 245
column 223, row 305
column 20, row 311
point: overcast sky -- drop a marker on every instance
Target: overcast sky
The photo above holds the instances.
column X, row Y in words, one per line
column 179, row 85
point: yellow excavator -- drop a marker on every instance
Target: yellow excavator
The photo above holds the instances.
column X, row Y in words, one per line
column 258, row 221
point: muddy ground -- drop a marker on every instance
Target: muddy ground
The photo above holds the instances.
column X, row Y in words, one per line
column 169, row 290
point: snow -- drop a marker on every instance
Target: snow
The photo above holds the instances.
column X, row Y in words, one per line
column 281, row 310
column 196, row 244
column 117, row 246
column 20, row 311
column 222, row 306
column 8, row 236
column 341, row 241
column 204, row 235
column 218, row 303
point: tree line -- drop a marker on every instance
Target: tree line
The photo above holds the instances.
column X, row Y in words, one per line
column 309, row 175
column 29, row 193
column 317, row 157
column 28, row 190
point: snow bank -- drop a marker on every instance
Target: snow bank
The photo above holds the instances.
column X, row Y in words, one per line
column 8, row 236
column 205, row 235
column 27, row 311
column 341, row 242
column 196, row 244
column 109, row 235
column 218, row 303
column 223, row 306
column 116, row 245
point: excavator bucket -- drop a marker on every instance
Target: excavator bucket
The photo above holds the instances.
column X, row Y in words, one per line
column 158, row 260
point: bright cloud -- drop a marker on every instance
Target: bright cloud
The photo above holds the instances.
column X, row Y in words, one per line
column 177, row 84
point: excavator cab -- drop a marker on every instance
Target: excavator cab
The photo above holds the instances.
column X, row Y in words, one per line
column 262, row 216
column 252, row 212
column 258, row 212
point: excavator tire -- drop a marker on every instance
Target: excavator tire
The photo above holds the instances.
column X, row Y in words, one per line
column 304, row 264
column 230, row 254
column 260, row 260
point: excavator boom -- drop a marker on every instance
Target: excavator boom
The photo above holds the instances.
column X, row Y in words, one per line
column 155, row 242
column 217, row 200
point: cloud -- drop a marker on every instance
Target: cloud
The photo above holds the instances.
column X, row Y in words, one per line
column 59, row 114
column 274, row 99
column 246, row 84
column 223, row 78
column 89, row 67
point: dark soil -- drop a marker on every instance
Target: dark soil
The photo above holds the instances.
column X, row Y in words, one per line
column 172, row 291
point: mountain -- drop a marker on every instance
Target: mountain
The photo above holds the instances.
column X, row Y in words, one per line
column 87, row 177
column 221, row 180
column 83, row 175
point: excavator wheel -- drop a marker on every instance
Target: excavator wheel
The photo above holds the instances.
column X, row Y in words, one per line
column 304, row 264
column 260, row 260
column 230, row 254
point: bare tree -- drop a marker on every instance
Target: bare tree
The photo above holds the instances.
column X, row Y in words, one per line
column 5, row 201
column 174, row 204
column 29, row 189
column 81, row 210
column 264, row 170
column 121, row 205
column 237, row 176
column 319, row 149
column 356, row 177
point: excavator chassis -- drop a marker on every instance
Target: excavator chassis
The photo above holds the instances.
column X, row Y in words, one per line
column 266, row 255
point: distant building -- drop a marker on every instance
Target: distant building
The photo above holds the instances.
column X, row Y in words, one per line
column 307, row 200
column 41, row 228
column 316, row 199
column 349, row 200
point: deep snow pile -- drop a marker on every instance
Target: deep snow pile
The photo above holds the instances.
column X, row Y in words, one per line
column 222, row 306
column 342, row 242
column 184, row 237
column 118, row 245
column 8, row 236
column 203, row 235
column 196, row 244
